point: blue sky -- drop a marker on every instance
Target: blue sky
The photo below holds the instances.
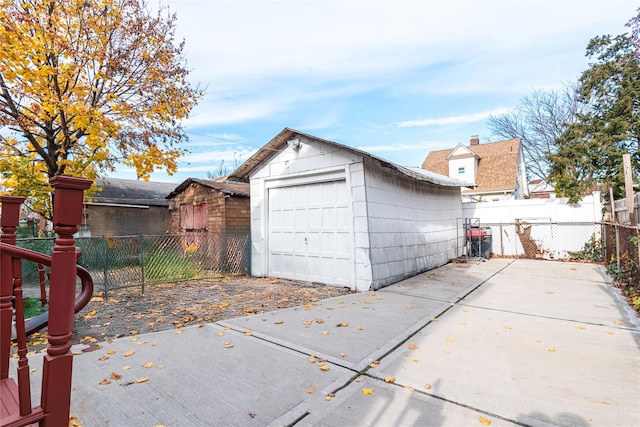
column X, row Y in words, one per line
column 396, row 78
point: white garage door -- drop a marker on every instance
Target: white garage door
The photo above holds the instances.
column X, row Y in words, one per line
column 310, row 233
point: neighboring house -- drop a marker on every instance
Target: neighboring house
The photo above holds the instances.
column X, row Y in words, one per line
column 541, row 189
column 205, row 205
column 328, row 213
column 123, row 207
column 497, row 169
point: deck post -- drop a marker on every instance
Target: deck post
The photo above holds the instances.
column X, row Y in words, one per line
column 57, row 364
column 9, row 224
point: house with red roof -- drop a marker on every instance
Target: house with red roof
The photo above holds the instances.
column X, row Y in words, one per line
column 497, row 169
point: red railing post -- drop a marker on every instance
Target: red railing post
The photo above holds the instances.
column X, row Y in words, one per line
column 57, row 364
column 9, row 224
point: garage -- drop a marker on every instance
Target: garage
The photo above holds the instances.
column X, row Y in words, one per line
column 310, row 233
column 329, row 213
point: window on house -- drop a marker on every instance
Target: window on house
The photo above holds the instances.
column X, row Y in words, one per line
column 193, row 217
column 461, row 170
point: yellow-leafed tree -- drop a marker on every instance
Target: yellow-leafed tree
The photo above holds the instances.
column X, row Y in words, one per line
column 86, row 85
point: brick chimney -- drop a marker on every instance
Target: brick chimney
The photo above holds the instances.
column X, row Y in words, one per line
column 474, row 140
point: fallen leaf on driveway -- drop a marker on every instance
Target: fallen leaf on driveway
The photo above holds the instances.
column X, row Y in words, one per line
column 618, row 323
column 128, row 353
column 367, row 391
column 148, row 365
column 484, row 421
column 390, row 379
column 142, row 380
column 104, row 382
column 311, row 359
column 552, row 349
column 413, row 347
column 342, row 325
column 115, row 376
column 91, row 348
column 427, row 386
column 228, row 345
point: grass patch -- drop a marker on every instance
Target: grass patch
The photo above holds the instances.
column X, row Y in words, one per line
column 32, row 307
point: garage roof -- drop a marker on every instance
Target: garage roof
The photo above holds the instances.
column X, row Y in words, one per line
column 276, row 144
column 229, row 188
column 131, row 192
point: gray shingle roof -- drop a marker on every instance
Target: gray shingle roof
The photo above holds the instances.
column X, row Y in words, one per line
column 131, row 192
column 273, row 146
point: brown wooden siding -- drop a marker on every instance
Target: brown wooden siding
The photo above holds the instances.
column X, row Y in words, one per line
column 223, row 213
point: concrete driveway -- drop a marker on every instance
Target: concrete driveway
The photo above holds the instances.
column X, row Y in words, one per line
column 502, row 342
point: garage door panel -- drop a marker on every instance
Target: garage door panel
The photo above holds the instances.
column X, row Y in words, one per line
column 288, row 217
column 310, row 233
column 328, row 218
column 315, row 218
column 343, row 217
column 328, row 244
column 343, row 247
column 342, row 195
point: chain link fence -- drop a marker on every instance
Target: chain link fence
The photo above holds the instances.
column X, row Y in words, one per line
column 622, row 253
column 135, row 261
column 533, row 239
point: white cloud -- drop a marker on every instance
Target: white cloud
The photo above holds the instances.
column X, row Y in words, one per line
column 228, row 155
column 262, row 59
column 392, row 147
column 454, row 120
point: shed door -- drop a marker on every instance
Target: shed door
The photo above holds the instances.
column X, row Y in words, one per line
column 310, row 233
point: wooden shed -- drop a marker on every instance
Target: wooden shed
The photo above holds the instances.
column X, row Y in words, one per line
column 205, row 205
column 328, row 213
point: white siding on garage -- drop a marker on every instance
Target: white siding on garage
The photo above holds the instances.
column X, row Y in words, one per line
column 330, row 214
column 310, row 233
column 412, row 225
column 315, row 163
